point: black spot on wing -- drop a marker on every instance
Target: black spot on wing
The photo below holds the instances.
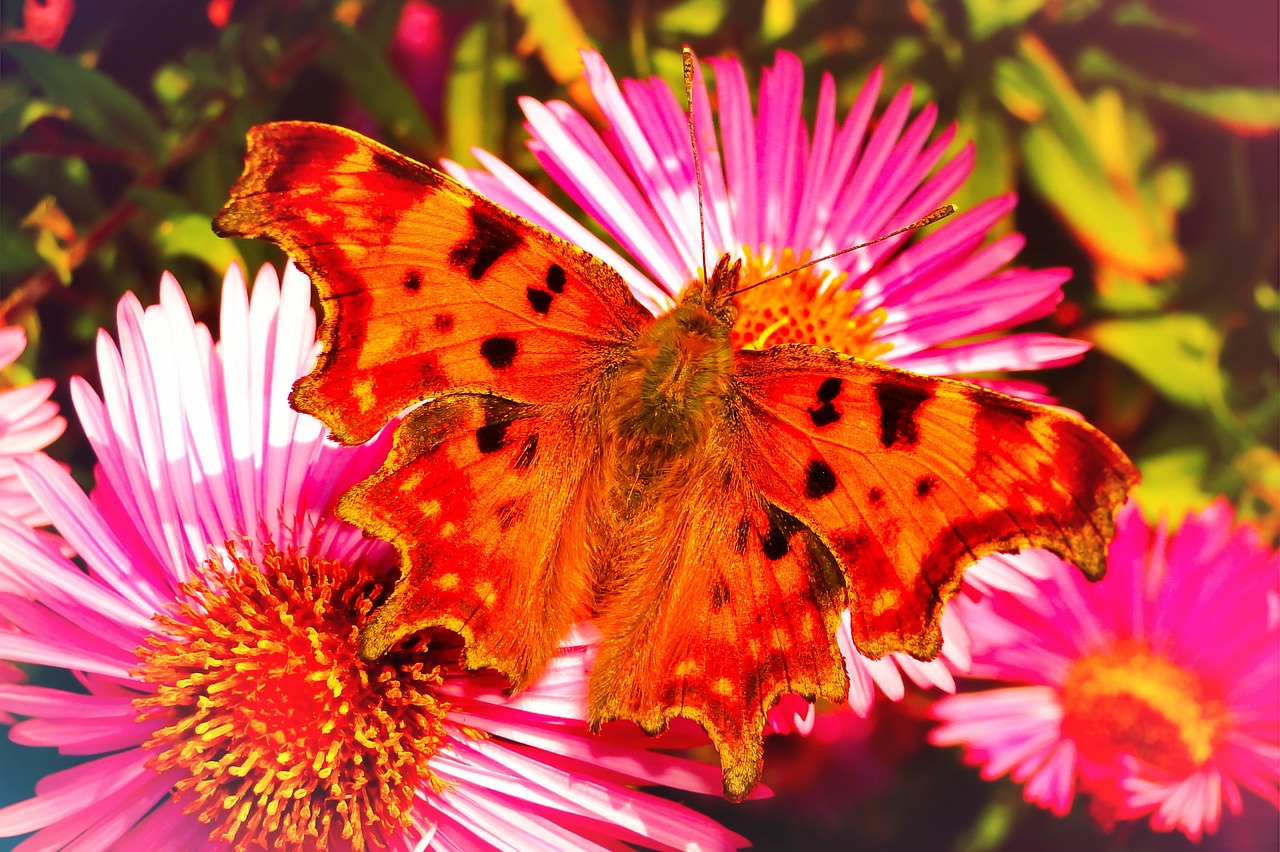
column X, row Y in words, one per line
column 777, row 542
column 819, row 479
column 824, row 413
column 900, row 398
column 719, row 594
column 499, row 351
column 528, row 451
column 489, row 240
column 850, row 544
column 405, row 169
column 876, row 495
column 925, row 485
column 413, row 281
column 442, row 322
column 555, row 278
column 999, row 412
column 539, row 300
column 492, row 437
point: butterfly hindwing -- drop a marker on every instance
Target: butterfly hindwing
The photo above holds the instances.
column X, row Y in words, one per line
column 734, row 604
column 909, row 479
column 426, row 286
column 483, row 497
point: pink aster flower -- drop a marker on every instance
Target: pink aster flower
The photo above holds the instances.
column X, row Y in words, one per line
column 28, row 423
column 1156, row 690
column 776, row 194
column 214, row 635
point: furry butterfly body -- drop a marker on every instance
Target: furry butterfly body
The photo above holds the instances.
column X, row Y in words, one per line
column 713, row 510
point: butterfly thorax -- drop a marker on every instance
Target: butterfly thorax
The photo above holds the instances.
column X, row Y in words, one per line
column 671, row 389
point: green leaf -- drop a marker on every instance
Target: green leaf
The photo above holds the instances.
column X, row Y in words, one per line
column 693, row 18
column 17, row 255
column 987, row 17
column 1090, row 161
column 1177, row 354
column 189, row 234
column 470, row 89
column 553, row 27
column 1241, row 109
column 995, row 169
column 1171, row 482
column 93, row 100
column 1124, row 294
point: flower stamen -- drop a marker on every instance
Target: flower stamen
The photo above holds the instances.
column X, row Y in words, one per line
column 287, row 737
column 1134, row 700
column 809, row 305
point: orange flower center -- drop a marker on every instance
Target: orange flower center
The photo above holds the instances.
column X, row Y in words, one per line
column 806, row 306
column 288, row 739
column 1130, row 699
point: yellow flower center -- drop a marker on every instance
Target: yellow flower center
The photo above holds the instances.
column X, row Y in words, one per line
column 806, row 306
column 288, row 738
column 1130, row 699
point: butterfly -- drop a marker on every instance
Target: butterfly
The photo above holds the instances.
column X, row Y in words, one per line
column 567, row 455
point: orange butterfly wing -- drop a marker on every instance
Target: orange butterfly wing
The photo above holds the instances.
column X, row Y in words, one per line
column 429, row 289
column 909, row 479
column 735, row 605
column 426, row 286
column 485, row 499
column 834, row 483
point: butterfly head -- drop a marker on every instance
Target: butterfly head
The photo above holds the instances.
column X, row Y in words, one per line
column 715, row 295
column 674, row 383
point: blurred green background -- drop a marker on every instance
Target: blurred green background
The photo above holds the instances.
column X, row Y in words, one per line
column 1141, row 137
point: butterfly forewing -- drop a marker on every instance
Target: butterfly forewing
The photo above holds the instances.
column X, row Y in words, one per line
column 426, row 286
column 909, row 479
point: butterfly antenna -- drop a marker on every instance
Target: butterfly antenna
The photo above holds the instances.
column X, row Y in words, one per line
column 697, row 167
column 936, row 216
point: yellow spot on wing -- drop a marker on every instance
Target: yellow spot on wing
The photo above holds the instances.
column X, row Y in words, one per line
column 448, row 581
column 362, row 392
column 885, row 599
column 448, row 529
column 687, row 667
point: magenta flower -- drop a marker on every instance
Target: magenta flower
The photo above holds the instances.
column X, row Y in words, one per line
column 1157, row 690
column 776, row 194
column 29, row 422
column 214, row 634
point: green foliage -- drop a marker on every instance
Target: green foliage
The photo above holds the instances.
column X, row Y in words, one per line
column 91, row 99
